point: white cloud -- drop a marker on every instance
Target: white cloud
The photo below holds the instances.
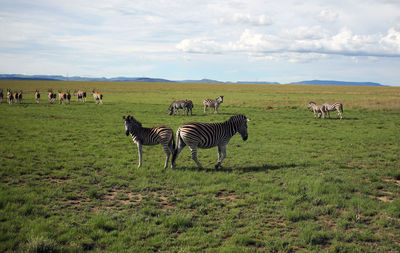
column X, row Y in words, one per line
column 327, row 16
column 242, row 19
column 302, row 40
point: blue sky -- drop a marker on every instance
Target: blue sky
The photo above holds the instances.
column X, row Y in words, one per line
column 232, row 40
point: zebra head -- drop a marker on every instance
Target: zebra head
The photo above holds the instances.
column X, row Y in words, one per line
column 131, row 125
column 239, row 122
column 311, row 104
column 220, row 99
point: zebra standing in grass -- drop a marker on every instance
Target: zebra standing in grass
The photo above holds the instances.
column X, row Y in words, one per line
column 10, row 97
column 208, row 135
column 186, row 105
column 150, row 136
column 61, row 97
column 98, row 97
column 37, row 96
column 18, row 97
column 337, row 106
column 68, row 97
column 213, row 103
column 317, row 109
column 1, row 96
column 80, row 94
column 51, row 96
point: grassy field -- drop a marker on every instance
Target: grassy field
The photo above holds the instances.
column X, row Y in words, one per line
column 69, row 177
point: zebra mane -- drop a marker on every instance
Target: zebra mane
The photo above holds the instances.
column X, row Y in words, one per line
column 237, row 118
column 131, row 120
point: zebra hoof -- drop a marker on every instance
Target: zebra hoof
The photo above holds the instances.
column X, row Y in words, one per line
column 218, row 165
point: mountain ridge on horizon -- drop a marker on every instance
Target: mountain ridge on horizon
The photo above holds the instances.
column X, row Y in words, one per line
column 148, row 79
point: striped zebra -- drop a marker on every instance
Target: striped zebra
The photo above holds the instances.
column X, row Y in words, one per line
column 163, row 135
column 317, row 109
column 337, row 106
column 37, row 96
column 18, row 97
column 51, row 96
column 213, row 103
column 10, row 97
column 98, row 97
column 80, row 94
column 186, row 105
column 207, row 135
column 1, row 96
column 61, row 97
column 68, row 97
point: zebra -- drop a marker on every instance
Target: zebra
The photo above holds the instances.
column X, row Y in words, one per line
column 1, row 96
column 337, row 106
column 61, row 97
column 18, row 97
column 10, row 97
column 51, row 96
column 163, row 135
column 207, row 135
column 98, row 97
column 37, row 96
column 317, row 109
column 213, row 103
column 186, row 105
column 67, row 97
column 80, row 94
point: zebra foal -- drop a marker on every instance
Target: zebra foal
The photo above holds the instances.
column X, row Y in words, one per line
column 337, row 106
column 150, row 136
column 207, row 135
column 213, row 103
column 317, row 109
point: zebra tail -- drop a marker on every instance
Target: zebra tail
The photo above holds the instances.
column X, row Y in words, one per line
column 176, row 145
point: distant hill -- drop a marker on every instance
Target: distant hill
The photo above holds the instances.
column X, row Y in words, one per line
column 160, row 80
column 331, row 82
column 201, row 81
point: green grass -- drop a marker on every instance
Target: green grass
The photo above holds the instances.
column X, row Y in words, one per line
column 69, row 177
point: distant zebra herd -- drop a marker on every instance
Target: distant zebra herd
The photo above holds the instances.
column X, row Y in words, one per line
column 63, row 97
column 326, row 108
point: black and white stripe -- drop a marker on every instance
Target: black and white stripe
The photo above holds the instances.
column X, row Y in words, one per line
column 150, row 136
column 208, row 135
column 317, row 109
column 213, row 103
column 337, row 106
column 186, row 105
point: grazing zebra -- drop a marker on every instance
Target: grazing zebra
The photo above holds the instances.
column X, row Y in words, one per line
column 98, row 97
column 150, row 136
column 80, row 94
column 61, row 97
column 18, row 97
column 10, row 97
column 186, row 105
column 1, row 96
column 67, row 97
column 52, row 96
column 208, row 135
column 37, row 96
column 213, row 103
column 337, row 106
column 317, row 109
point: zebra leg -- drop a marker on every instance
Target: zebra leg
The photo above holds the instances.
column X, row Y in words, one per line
column 193, row 150
column 180, row 144
column 139, row 145
column 205, row 108
column 339, row 113
column 168, row 153
column 221, row 149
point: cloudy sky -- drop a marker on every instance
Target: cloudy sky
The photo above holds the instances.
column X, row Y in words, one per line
column 232, row 40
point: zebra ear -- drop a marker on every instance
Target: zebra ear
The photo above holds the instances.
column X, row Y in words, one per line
column 123, row 117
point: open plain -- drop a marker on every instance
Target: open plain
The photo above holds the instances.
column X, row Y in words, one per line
column 70, row 182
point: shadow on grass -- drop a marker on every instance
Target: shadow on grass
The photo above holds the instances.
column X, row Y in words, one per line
column 264, row 167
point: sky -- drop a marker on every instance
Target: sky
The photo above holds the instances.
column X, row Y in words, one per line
column 228, row 40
